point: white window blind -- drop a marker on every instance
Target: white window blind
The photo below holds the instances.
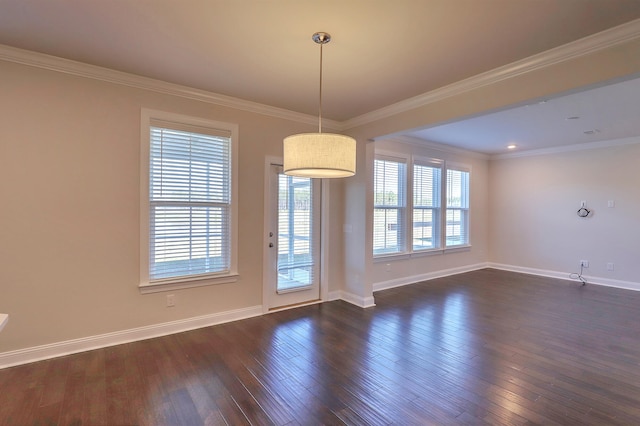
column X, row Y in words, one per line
column 189, row 201
column 426, row 205
column 457, row 211
column 389, row 206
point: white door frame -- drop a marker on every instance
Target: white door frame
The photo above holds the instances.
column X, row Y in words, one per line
column 324, row 238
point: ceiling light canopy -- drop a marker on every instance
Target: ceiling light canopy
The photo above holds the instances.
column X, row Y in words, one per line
column 320, row 155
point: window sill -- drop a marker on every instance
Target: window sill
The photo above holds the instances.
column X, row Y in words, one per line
column 407, row 255
column 421, row 253
column 381, row 258
column 429, row 252
column 170, row 285
column 454, row 249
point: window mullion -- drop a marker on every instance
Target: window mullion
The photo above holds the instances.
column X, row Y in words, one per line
column 457, row 206
column 425, row 201
column 443, row 209
column 408, row 223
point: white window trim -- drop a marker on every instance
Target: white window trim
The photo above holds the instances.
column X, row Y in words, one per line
column 406, row 160
column 410, row 160
column 429, row 162
column 451, row 165
column 461, row 247
column 145, row 286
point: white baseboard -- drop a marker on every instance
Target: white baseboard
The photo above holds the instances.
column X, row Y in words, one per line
column 627, row 285
column 38, row 353
column 384, row 285
column 334, row 295
column 398, row 282
column 354, row 299
column 68, row 347
column 53, row 350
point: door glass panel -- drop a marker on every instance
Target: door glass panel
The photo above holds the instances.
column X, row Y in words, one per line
column 295, row 233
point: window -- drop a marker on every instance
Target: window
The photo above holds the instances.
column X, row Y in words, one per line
column 389, row 205
column 457, row 229
column 421, row 205
column 189, row 197
column 426, row 205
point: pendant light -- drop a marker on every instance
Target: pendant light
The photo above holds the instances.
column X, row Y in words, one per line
column 320, row 155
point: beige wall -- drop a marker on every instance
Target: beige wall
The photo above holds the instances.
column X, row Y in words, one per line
column 540, row 81
column 533, row 221
column 69, row 188
column 69, row 218
column 401, row 270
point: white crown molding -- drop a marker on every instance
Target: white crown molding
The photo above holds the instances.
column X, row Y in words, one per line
column 39, row 353
column 593, row 43
column 424, row 144
column 568, row 148
column 584, row 46
column 80, row 69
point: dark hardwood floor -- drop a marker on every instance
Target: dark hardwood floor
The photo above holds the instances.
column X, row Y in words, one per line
column 486, row 347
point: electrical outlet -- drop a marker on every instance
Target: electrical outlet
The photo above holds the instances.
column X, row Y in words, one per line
column 584, row 263
column 171, row 300
column 388, row 267
column 610, row 266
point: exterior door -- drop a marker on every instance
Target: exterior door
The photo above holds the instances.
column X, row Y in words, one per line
column 293, row 240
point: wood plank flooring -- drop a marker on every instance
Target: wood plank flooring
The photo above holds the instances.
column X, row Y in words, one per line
column 486, row 347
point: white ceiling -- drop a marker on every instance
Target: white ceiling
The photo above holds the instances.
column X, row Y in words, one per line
column 603, row 113
column 382, row 52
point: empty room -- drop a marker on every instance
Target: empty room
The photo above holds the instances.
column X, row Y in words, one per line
column 285, row 212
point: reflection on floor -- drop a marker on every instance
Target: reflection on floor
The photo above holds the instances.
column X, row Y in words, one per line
column 485, row 347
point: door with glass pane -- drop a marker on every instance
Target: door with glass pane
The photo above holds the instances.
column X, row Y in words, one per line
column 294, row 240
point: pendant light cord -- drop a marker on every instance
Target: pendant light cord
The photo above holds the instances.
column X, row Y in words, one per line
column 320, row 102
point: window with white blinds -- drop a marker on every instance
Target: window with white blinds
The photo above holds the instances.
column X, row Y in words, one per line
column 457, row 216
column 421, row 205
column 191, row 233
column 389, row 206
column 426, row 205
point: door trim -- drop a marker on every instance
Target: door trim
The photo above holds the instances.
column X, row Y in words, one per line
column 324, row 250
